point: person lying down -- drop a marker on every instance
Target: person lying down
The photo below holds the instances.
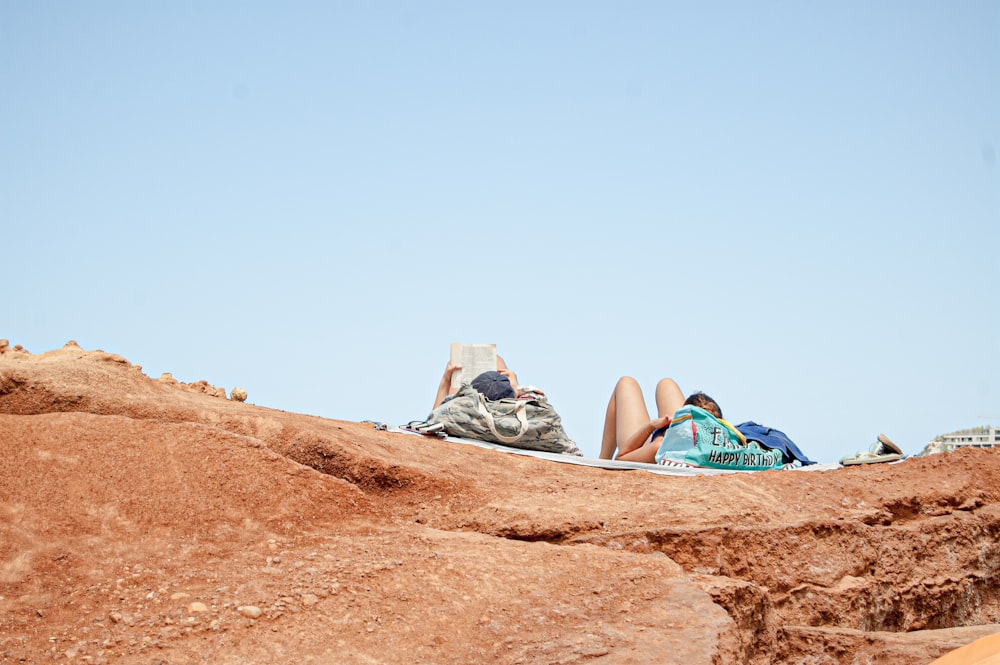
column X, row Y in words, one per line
column 495, row 408
column 688, row 432
column 493, row 385
column 628, row 428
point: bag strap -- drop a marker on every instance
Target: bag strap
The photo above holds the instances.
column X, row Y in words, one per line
column 519, row 409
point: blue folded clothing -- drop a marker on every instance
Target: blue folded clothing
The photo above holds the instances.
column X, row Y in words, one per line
column 773, row 439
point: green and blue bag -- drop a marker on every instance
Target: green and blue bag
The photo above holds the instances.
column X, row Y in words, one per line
column 697, row 438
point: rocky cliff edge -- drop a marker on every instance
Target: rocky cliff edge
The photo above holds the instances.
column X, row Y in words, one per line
column 150, row 521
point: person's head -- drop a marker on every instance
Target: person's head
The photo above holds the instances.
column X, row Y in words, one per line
column 703, row 401
column 493, row 385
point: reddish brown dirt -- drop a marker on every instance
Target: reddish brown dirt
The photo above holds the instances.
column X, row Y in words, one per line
column 141, row 518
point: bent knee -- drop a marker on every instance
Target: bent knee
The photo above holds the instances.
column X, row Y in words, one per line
column 627, row 381
column 667, row 383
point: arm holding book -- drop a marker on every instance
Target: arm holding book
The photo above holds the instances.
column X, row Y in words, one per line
column 444, row 388
column 448, row 385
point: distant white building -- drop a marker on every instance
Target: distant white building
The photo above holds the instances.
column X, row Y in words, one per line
column 977, row 437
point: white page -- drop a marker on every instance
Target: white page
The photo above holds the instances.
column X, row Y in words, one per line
column 474, row 359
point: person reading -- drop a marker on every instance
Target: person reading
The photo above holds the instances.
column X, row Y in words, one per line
column 494, row 385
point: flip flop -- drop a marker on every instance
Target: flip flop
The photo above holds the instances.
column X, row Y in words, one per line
column 869, row 458
column 888, row 446
column 883, row 450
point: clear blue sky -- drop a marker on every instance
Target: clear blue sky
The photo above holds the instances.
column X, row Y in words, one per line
column 793, row 206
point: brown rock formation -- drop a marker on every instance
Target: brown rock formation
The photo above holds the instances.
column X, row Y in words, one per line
column 125, row 502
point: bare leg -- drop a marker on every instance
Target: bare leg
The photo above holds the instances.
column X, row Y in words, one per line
column 625, row 416
column 669, row 398
column 609, row 438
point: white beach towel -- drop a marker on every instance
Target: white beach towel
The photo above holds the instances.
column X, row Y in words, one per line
column 601, row 463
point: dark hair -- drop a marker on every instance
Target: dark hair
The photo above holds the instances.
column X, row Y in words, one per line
column 703, row 401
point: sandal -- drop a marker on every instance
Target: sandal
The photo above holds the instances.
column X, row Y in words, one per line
column 883, row 450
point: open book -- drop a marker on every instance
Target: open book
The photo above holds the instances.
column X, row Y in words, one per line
column 474, row 359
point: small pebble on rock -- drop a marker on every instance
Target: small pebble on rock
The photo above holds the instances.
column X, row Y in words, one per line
column 251, row 611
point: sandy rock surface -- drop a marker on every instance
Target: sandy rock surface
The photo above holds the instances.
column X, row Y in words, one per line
column 150, row 521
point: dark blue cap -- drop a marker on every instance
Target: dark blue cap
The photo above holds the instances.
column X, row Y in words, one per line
column 493, row 385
